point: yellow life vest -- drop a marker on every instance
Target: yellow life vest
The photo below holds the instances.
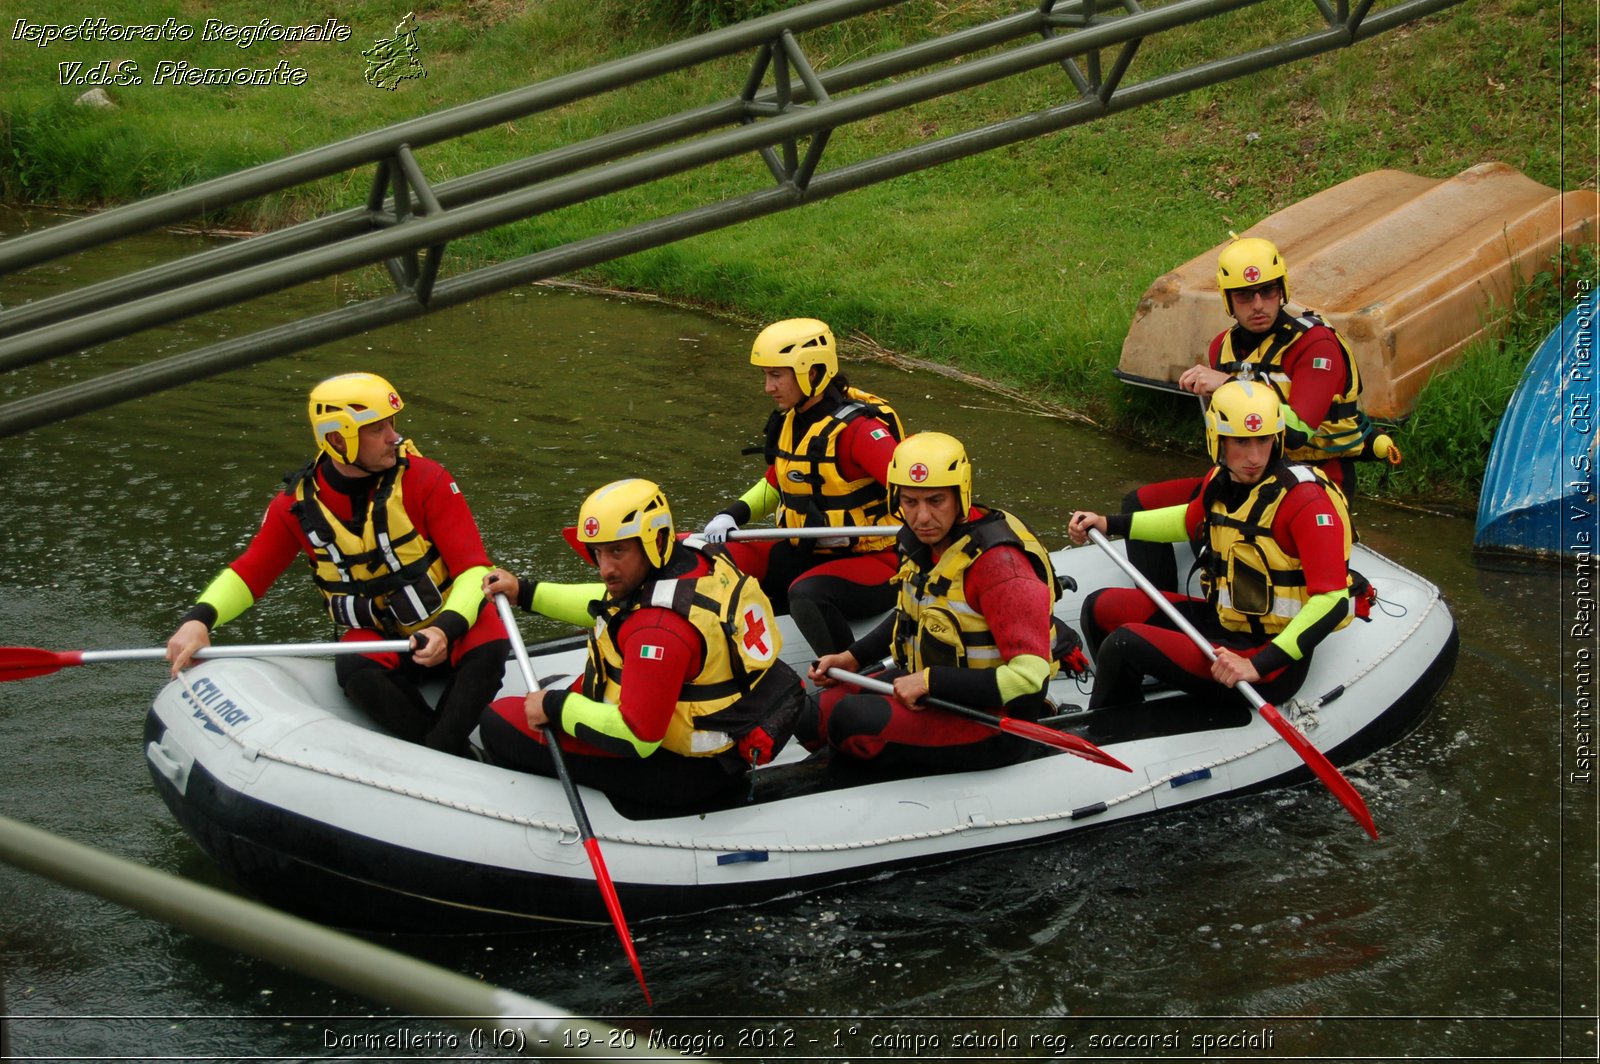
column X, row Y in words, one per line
column 399, row 575
column 934, row 624
column 1253, row 584
column 1343, row 433
column 812, row 491
column 741, row 642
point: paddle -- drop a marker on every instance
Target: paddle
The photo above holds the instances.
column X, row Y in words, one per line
column 591, row 845
column 1313, row 757
column 813, row 532
column 21, row 663
column 1022, row 729
column 738, row 535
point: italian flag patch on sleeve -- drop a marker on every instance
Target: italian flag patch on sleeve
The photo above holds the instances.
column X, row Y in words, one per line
column 878, row 434
column 651, row 653
column 1322, row 363
column 1324, row 519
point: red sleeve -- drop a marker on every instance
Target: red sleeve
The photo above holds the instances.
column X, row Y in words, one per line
column 865, row 448
column 1003, row 587
column 1318, row 371
column 1194, row 518
column 439, row 510
column 1214, row 354
column 660, row 652
column 275, row 545
column 1308, row 527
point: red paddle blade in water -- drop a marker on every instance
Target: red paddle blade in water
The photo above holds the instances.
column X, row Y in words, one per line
column 22, row 663
column 609, row 893
column 1318, row 761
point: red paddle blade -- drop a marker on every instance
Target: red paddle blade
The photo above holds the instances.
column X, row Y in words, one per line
column 1072, row 744
column 514, row 709
column 22, row 663
column 1319, row 763
column 609, row 893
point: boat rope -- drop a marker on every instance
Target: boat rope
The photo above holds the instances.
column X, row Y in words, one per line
column 252, row 752
column 1302, row 712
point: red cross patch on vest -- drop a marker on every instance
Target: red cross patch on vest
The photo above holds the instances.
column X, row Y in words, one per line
column 754, row 637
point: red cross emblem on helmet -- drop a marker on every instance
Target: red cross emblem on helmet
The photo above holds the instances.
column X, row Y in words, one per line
column 1252, row 422
column 918, row 473
column 1252, row 274
column 591, row 527
column 394, row 401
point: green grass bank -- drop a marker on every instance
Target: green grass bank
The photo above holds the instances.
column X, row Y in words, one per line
column 1022, row 265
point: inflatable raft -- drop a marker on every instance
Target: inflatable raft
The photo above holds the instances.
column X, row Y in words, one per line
column 295, row 796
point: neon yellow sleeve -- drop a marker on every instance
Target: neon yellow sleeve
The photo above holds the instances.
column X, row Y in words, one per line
column 762, row 499
column 1292, row 420
column 604, row 719
column 228, row 594
column 466, row 593
column 1316, row 608
column 1163, row 525
column 567, row 602
column 1024, row 674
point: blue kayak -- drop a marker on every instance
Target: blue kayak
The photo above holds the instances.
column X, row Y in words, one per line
column 1538, row 492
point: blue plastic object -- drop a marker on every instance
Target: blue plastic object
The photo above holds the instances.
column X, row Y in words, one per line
column 1539, row 490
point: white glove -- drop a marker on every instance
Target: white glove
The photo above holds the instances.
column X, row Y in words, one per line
column 717, row 529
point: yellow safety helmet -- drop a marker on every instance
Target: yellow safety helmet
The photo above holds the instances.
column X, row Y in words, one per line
column 798, row 343
column 1247, row 262
column 626, row 509
column 1241, row 409
column 931, row 460
column 344, row 403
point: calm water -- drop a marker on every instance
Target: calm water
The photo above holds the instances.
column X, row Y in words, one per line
column 1270, row 920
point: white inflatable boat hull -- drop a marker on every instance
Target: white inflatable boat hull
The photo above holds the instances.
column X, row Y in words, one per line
column 300, row 801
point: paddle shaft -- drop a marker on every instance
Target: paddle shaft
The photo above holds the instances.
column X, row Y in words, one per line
column 520, row 650
column 1314, row 758
column 1022, row 729
column 263, row 650
column 842, row 532
column 25, row 663
column 591, row 845
column 1173, row 614
column 883, row 687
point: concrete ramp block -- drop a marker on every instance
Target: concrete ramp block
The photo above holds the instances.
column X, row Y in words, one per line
column 1409, row 268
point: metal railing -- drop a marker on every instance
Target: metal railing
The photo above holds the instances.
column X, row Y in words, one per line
column 406, row 222
column 529, row 1026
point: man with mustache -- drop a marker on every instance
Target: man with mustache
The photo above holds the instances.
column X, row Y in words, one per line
column 972, row 624
column 683, row 690
column 1301, row 358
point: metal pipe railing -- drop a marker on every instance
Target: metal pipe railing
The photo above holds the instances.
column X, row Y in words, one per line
column 506, row 177
column 433, row 230
column 369, row 248
column 22, row 415
column 394, row 979
column 368, row 148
